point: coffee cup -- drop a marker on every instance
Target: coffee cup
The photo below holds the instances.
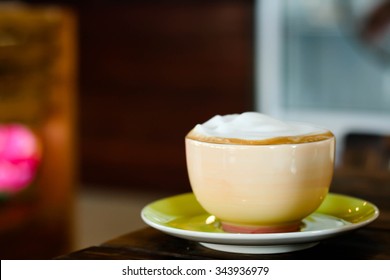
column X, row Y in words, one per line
column 257, row 174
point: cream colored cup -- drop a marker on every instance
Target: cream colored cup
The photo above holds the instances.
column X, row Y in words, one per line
column 260, row 188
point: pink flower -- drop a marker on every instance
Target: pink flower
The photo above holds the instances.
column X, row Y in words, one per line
column 19, row 157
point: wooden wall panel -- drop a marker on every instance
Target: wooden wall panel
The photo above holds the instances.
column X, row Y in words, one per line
column 149, row 71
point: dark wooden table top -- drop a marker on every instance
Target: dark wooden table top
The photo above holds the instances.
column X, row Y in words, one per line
column 369, row 242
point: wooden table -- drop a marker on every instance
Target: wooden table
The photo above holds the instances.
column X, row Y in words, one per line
column 370, row 242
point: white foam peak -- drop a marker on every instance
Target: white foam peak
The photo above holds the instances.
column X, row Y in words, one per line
column 253, row 126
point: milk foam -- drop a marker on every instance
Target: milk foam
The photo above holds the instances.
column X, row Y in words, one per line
column 253, row 126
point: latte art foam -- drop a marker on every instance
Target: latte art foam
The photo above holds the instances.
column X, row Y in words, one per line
column 256, row 128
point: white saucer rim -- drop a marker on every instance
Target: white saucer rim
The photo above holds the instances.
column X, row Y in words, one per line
column 265, row 249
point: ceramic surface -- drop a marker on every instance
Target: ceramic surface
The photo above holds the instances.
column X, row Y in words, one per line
column 260, row 188
column 182, row 216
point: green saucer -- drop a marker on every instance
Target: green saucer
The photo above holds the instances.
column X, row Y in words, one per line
column 182, row 216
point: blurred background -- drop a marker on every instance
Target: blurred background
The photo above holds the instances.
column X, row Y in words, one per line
column 96, row 97
column 120, row 83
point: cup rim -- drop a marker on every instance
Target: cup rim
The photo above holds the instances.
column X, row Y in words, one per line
column 277, row 141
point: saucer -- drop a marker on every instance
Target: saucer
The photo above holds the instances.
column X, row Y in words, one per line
column 182, row 216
